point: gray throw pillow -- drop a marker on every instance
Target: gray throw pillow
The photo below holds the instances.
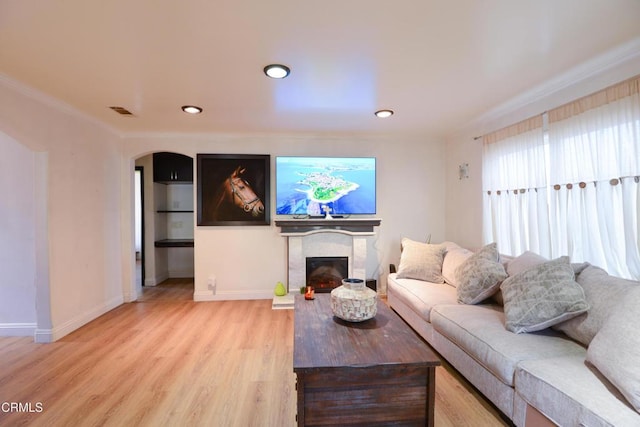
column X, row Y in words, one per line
column 542, row 296
column 421, row 261
column 615, row 352
column 479, row 276
column 604, row 293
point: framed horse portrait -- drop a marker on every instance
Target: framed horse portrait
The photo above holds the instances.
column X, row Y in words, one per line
column 233, row 189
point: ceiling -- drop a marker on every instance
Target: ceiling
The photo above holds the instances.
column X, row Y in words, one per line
column 437, row 63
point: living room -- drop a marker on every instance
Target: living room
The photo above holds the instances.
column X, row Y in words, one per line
column 68, row 163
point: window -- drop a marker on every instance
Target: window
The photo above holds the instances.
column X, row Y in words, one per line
column 566, row 182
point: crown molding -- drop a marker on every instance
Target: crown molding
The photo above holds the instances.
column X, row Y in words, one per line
column 54, row 103
column 608, row 62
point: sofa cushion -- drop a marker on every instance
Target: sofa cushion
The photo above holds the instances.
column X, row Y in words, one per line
column 569, row 393
column 421, row 296
column 542, row 296
column 603, row 293
column 479, row 276
column 615, row 350
column 479, row 331
column 453, row 258
column 421, row 261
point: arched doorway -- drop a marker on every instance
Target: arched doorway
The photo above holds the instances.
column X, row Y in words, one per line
column 167, row 248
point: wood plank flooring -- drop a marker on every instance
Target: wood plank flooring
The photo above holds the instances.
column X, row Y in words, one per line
column 168, row 361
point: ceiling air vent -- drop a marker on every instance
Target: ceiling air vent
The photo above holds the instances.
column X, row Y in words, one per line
column 122, row 110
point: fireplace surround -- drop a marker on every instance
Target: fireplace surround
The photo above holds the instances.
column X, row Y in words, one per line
column 326, row 238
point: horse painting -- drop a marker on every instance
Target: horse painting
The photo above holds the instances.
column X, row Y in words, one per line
column 233, row 189
column 236, row 199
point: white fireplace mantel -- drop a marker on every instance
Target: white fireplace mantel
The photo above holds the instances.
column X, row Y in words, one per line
column 321, row 237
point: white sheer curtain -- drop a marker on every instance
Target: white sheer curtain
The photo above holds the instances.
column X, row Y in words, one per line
column 515, row 177
column 574, row 189
column 594, row 146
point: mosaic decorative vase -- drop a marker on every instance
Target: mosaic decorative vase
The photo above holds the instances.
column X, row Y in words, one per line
column 353, row 301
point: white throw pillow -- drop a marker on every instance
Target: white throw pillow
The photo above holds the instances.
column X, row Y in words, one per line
column 615, row 350
column 452, row 260
column 450, row 245
column 421, row 261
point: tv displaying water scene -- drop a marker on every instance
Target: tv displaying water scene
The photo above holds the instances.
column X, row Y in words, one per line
column 307, row 186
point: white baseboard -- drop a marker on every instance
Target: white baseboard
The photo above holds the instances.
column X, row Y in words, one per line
column 206, row 295
column 153, row 281
column 17, row 329
column 231, row 295
column 50, row 335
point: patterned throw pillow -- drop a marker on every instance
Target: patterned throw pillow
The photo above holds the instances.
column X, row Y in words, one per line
column 479, row 276
column 542, row 296
column 421, row 261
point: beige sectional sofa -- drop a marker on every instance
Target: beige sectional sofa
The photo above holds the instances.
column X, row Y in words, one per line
column 577, row 363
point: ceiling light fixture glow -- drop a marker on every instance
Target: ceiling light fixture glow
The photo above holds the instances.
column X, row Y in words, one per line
column 191, row 109
column 384, row 113
column 277, row 71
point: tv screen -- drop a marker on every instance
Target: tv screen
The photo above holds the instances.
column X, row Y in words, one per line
column 305, row 185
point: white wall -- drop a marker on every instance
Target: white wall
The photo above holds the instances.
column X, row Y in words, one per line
column 17, row 238
column 464, row 196
column 78, row 241
column 248, row 261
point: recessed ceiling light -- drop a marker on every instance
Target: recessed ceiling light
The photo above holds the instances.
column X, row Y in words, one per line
column 277, row 71
column 191, row 109
column 384, row 113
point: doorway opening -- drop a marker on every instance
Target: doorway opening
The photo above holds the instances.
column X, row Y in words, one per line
column 164, row 225
column 139, row 224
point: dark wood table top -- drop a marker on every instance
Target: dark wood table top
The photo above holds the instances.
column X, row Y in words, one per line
column 323, row 340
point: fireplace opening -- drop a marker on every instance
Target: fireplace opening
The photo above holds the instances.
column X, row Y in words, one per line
column 326, row 273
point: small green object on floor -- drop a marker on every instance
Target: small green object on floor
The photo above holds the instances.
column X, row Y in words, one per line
column 280, row 289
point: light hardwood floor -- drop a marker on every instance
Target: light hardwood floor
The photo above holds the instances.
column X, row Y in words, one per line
column 168, row 361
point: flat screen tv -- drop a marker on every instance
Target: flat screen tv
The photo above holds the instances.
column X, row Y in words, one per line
column 306, row 185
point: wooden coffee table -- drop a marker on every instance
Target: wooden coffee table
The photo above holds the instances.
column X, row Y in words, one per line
column 374, row 372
